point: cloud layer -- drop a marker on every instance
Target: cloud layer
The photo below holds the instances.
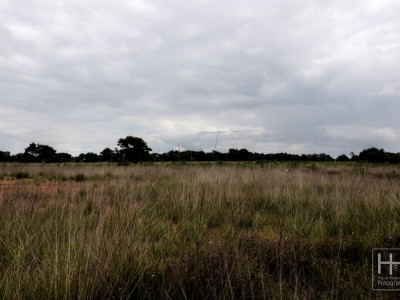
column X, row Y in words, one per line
column 271, row 76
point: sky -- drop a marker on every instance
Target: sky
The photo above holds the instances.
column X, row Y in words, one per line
column 266, row 75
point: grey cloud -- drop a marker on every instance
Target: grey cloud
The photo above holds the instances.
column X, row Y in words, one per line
column 269, row 75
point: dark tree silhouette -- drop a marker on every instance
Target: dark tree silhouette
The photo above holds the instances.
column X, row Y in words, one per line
column 5, row 156
column 88, row 157
column 373, row 155
column 238, row 155
column 343, row 157
column 39, row 153
column 107, row 155
column 394, row 159
column 133, row 149
column 63, row 157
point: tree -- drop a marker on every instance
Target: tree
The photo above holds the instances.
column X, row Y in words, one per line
column 19, row 157
column 133, row 149
column 342, row 157
column 31, row 154
column 238, row 155
column 63, row 157
column 89, row 157
column 395, row 159
column 5, row 156
column 373, row 155
column 39, row 153
column 353, row 157
column 107, row 155
column 218, row 156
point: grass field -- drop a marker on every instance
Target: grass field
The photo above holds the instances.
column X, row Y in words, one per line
column 195, row 231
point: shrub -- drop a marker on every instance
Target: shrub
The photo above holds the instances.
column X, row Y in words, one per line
column 80, row 177
column 22, row 175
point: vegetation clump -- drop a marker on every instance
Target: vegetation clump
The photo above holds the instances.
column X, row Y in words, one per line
column 80, row 177
column 22, row 175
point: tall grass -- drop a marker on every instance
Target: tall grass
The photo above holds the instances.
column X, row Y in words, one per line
column 177, row 232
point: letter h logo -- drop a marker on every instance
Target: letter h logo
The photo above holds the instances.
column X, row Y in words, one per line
column 390, row 262
column 386, row 269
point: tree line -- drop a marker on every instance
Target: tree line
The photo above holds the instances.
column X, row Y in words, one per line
column 134, row 149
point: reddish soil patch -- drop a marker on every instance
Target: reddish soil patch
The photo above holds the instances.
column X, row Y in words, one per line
column 44, row 187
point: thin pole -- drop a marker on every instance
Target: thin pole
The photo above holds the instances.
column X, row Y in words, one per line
column 216, row 141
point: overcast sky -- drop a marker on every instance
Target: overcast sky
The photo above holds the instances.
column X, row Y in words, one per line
column 271, row 76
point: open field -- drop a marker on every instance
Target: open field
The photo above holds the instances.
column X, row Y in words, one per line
column 196, row 231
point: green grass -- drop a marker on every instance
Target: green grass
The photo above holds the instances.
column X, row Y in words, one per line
column 196, row 231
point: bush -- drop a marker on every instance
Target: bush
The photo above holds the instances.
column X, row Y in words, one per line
column 22, row 175
column 80, row 177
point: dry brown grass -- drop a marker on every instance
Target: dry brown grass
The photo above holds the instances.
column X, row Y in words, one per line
column 194, row 231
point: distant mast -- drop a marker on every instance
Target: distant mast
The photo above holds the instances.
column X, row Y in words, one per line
column 216, row 141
